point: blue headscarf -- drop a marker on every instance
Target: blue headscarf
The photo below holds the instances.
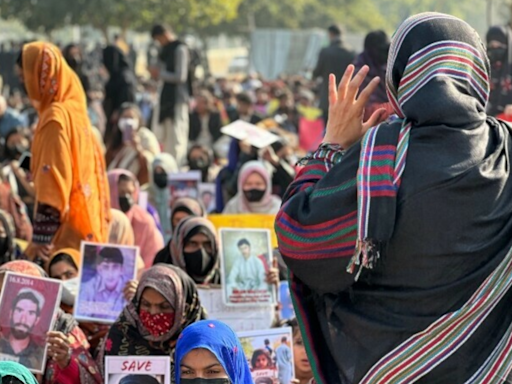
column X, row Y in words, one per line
column 220, row 340
column 9, row 368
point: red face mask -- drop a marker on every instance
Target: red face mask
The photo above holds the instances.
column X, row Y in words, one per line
column 158, row 324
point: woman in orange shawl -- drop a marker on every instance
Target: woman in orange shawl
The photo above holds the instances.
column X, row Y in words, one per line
column 67, row 166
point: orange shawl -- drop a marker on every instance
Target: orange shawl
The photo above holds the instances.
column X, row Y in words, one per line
column 67, row 165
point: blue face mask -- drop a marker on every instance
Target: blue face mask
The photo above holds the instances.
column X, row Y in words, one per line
column 204, row 381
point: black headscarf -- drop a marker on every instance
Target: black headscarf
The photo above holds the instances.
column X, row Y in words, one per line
column 428, row 198
column 501, row 69
column 375, row 55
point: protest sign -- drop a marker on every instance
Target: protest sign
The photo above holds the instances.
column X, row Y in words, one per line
column 207, row 196
column 184, row 184
column 137, row 369
column 252, row 134
column 256, row 221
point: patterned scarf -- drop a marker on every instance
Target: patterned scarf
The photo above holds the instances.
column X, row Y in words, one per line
column 128, row 336
column 415, row 68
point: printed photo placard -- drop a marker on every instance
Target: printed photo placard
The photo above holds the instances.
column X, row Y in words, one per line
column 104, row 272
column 184, row 184
column 137, row 370
column 206, row 193
column 246, row 256
column 28, row 307
column 270, row 355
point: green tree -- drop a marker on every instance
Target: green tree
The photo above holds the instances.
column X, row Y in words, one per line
column 37, row 15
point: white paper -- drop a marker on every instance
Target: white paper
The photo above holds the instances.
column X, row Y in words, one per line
column 256, row 136
column 118, row 367
column 143, row 200
column 238, row 318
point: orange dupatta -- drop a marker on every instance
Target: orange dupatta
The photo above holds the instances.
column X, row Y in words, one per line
column 67, row 165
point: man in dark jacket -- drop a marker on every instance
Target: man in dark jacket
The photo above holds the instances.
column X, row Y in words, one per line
column 332, row 59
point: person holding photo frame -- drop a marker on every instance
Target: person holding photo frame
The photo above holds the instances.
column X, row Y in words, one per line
column 68, row 356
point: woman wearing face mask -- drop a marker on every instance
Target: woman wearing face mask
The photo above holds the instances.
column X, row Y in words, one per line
column 254, row 191
column 200, row 158
column 132, row 147
column 64, row 266
column 159, row 194
column 166, row 302
column 124, row 192
column 68, row 357
column 194, row 249
column 209, row 352
column 499, row 50
column 16, row 143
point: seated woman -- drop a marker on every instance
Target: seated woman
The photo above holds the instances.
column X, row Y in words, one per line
column 16, row 144
column 194, row 249
column 254, row 192
column 166, row 303
column 69, row 360
column 132, row 147
column 159, row 194
column 210, row 350
column 123, row 195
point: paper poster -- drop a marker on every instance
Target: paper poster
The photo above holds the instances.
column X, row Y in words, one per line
column 184, row 184
column 207, row 196
column 270, row 355
column 137, row 370
column 311, row 133
column 28, row 308
column 143, row 200
column 256, row 136
column 256, row 221
column 285, row 300
column 246, row 256
column 104, row 272
column 238, row 318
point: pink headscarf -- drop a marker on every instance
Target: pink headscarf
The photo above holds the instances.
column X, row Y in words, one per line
column 269, row 203
column 147, row 236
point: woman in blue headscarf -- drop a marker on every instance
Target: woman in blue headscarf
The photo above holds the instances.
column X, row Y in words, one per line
column 209, row 352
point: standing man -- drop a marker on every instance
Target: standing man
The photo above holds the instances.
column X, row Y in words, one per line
column 177, row 88
column 284, row 362
column 332, row 59
column 24, row 316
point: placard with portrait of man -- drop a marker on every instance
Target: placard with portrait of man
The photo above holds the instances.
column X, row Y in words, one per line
column 27, row 311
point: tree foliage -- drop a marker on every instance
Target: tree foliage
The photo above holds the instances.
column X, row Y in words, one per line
column 231, row 16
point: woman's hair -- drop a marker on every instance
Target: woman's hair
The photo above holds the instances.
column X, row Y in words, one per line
column 11, row 380
column 257, row 353
column 62, row 257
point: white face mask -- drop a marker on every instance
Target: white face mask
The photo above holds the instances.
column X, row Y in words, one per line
column 128, row 123
column 70, row 291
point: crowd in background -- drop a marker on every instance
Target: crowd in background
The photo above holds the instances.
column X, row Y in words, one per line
column 147, row 129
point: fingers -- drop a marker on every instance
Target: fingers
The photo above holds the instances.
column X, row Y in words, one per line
column 376, row 118
column 365, row 94
column 345, row 81
column 333, row 93
column 355, row 84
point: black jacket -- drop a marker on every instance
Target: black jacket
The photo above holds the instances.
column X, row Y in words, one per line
column 333, row 59
column 214, row 126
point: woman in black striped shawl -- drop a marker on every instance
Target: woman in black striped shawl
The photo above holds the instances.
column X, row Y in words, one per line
column 399, row 248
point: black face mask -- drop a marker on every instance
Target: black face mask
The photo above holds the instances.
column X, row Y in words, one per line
column 4, row 247
column 496, row 54
column 204, row 381
column 198, row 263
column 15, row 152
column 254, row 195
column 75, row 63
column 198, row 164
column 125, row 203
column 160, row 179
